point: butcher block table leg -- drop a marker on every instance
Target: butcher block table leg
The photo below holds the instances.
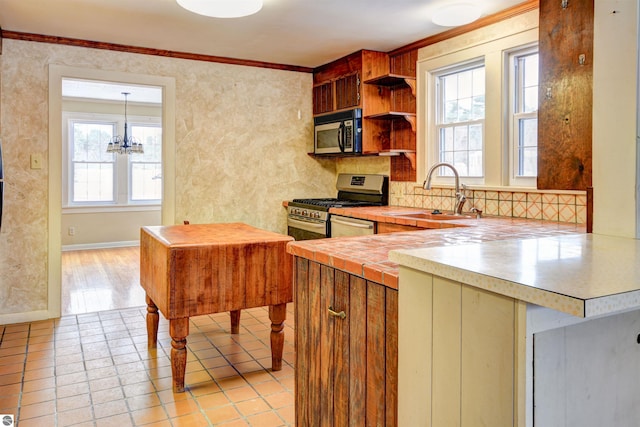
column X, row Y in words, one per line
column 235, row 321
column 178, row 329
column 277, row 314
column 153, row 317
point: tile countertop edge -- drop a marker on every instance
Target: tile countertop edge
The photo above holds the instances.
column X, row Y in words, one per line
column 561, row 299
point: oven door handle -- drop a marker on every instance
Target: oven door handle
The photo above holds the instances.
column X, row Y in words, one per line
column 318, row 225
column 353, row 224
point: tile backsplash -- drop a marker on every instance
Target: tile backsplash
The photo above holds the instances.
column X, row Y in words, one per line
column 560, row 206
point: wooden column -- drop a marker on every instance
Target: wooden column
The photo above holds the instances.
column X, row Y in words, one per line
column 565, row 94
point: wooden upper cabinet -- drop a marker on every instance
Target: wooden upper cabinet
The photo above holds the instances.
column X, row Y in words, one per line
column 338, row 84
column 323, row 98
column 565, row 95
column 385, row 90
column 347, row 91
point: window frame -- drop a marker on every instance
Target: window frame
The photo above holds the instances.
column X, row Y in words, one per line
column 122, row 175
column 439, row 118
column 515, row 114
column 489, row 43
column 131, row 162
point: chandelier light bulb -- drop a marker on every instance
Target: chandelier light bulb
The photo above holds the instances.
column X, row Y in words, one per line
column 222, row 8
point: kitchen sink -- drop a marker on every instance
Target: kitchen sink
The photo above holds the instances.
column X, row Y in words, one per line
column 430, row 216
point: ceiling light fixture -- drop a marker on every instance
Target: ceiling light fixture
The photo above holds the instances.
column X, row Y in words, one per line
column 454, row 15
column 222, row 8
column 126, row 144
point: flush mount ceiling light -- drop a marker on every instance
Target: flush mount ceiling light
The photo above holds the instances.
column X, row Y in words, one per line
column 222, row 8
column 457, row 14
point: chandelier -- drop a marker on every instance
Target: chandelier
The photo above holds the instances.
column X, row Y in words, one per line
column 126, row 144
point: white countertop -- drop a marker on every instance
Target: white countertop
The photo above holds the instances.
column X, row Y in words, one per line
column 583, row 275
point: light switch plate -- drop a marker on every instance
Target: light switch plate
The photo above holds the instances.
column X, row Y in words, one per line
column 36, row 161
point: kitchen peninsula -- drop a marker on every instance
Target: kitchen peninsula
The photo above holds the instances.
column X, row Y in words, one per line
column 347, row 309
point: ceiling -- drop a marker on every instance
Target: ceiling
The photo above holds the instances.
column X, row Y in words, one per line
column 303, row 33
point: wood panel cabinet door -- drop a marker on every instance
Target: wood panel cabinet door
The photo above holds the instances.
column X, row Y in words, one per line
column 346, row 349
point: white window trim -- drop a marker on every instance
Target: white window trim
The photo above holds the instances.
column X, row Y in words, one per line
column 514, row 180
column 490, row 45
column 122, row 178
column 437, row 179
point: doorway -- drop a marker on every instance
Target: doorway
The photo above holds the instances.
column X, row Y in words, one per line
column 57, row 190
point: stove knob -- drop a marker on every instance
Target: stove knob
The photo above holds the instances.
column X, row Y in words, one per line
column 305, row 213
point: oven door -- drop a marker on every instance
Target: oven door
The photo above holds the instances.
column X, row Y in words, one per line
column 304, row 229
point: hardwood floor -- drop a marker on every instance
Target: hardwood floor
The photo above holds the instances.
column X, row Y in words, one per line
column 101, row 279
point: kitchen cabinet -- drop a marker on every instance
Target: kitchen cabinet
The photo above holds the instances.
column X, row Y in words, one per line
column 346, row 348
column 365, row 79
column 549, row 329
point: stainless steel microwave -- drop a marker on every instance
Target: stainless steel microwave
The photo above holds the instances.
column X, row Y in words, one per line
column 339, row 133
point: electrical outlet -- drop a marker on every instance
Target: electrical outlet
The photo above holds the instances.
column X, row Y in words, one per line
column 72, row 231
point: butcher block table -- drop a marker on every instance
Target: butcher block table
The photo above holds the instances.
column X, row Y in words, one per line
column 191, row 270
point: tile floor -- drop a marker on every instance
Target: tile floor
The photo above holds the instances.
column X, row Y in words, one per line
column 95, row 369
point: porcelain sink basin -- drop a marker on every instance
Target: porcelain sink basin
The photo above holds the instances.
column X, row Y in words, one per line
column 431, row 216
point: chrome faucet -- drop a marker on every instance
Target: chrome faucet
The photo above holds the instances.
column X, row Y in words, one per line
column 460, row 197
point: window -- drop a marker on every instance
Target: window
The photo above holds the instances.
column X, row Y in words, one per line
column 524, row 116
column 477, row 137
column 146, row 169
column 460, row 108
column 92, row 169
column 96, row 177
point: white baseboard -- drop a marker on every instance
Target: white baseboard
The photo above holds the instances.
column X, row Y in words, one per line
column 102, row 245
column 29, row 316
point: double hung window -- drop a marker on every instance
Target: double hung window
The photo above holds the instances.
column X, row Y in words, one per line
column 95, row 177
column 460, row 119
column 524, row 116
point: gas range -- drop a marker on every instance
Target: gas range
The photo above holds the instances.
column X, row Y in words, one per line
column 309, row 218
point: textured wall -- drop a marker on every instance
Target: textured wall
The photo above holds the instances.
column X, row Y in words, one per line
column 240, row 149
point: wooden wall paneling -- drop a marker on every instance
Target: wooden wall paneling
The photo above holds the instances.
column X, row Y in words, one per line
column 487, row 330
column 391, row 368
column 376, row 135
column 565, row 95
column 446, row 353
column 302, row 341
column 357, row 349
column 327, row 345
column 341, row 394
column 315, row 339
column 376, row 369
column 404, row 63
column 374, row 64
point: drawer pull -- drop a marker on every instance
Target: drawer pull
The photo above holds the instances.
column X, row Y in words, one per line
column 341, row 315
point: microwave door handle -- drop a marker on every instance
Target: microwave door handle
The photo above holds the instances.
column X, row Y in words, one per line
column 341, row 131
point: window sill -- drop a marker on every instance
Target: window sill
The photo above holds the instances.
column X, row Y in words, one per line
column 110, row 208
